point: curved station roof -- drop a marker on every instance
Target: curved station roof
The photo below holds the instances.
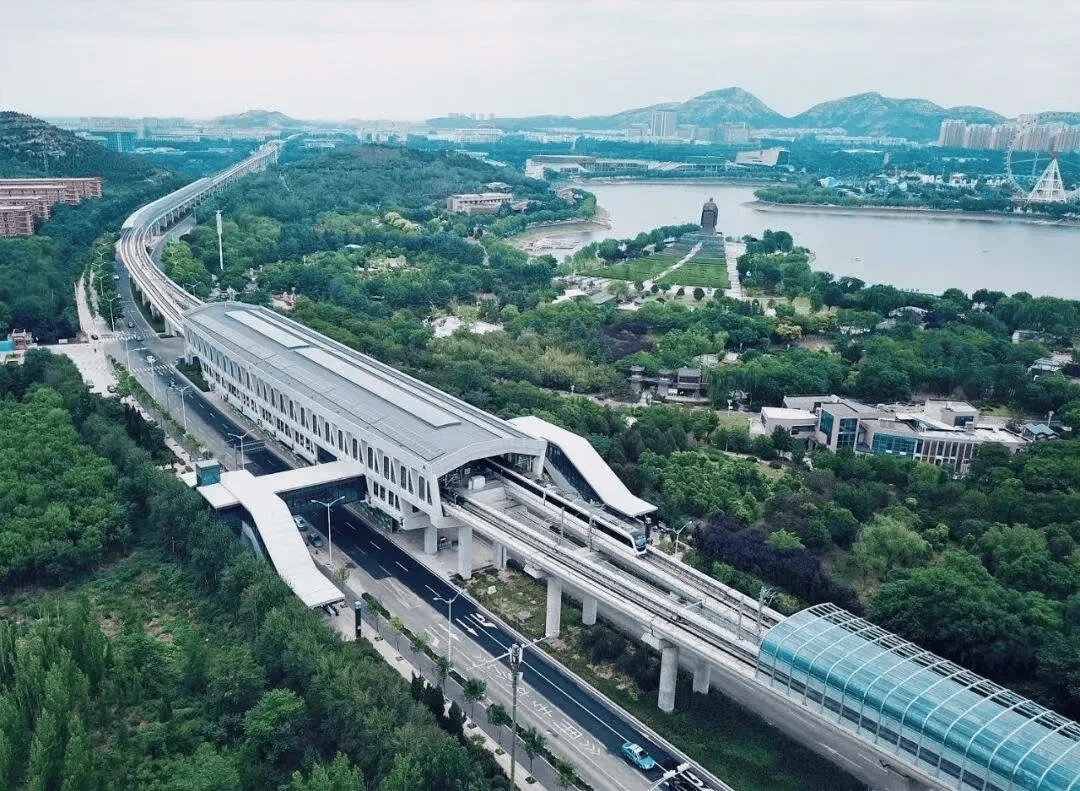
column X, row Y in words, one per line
column 352, row 388
column 962, row 729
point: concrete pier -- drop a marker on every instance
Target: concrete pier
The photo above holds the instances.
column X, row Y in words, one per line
column 669, row 668
column 588, row 610
column 554, row 607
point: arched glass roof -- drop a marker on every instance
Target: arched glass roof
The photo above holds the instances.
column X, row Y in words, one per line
column 949, row 722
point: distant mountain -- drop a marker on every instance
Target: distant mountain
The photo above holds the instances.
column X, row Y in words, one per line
column 30, row 147
column 257, row 118
column 862, row 114
column 877, row 115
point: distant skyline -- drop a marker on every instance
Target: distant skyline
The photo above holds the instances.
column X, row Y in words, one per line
column 415, row 59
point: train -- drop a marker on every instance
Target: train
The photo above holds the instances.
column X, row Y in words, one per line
column 633, row 533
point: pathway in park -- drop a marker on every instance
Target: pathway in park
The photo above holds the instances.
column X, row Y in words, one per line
column 657, row 278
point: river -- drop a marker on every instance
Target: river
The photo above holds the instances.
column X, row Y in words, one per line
column 922, row 252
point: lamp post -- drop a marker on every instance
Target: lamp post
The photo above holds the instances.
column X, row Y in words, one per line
column 240, row 438
column 221, row 255
column 329, row 530
column 517, row 652
column 183, row 401
column 449, row 611
column 112, row 317
column 686, row 524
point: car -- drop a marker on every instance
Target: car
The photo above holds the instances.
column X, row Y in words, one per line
column 111, row 388
column 636, row 755
column 316, row 541
column 301, row 524
column 137, row 338
column 130, row 323
column 93, row 337
column 151, row 359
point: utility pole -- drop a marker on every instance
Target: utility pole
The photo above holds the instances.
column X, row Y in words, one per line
column 183, row 402
column 240, row 438
column 517, row 652
column 221, row 255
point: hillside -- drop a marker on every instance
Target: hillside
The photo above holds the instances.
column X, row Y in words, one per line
column 874, row 114
column 257, row 118
column 862, row 114
column 29, row 148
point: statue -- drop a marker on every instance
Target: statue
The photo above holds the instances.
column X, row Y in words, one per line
column 709, row 213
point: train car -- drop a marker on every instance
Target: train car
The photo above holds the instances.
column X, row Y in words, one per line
column 632, row 533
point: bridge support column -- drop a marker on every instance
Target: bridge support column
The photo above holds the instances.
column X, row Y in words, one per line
column 431, row 540
column 500, row 556
column 464, row 552
column 702, row 676
column 588, row 610
column 669, row 669
column 554, row 607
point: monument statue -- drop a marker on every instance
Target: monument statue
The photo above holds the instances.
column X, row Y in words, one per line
column 709, row 213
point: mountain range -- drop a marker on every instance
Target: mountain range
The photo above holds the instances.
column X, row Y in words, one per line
column 861, row 114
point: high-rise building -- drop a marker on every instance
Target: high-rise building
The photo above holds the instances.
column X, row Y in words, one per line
column 736, row 133
column 951, row 134
column 1002, row 136
column 977, row 136
column 663, row 123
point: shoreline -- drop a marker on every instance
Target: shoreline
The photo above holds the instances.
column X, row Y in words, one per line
column 614, row 181
column 898, row 211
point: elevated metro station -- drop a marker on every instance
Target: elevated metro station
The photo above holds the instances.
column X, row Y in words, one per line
column 412, row 444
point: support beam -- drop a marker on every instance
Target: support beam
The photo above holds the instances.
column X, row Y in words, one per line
column 431, row 540
column 554, row 607
column 669, row 669
column 702, row 676
column 500, row 556
column 464, row 552
column 588, row 610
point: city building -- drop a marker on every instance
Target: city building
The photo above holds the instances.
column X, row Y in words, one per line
column 16, row 220
column 59, row 190
column 951, row 134
column 478, row 203
column 736, row 134
column 663, row 123
column 941, row 432
column 766, row 157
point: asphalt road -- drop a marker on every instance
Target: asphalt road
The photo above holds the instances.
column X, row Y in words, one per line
column 376, row 555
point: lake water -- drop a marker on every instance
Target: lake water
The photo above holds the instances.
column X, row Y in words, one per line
column 919, row 252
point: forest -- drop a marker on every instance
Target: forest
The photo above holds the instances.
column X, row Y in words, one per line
column 141, row 648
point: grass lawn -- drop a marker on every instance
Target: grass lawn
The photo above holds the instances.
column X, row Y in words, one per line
column 727, row 739
column 699, row 273
column 634, row 270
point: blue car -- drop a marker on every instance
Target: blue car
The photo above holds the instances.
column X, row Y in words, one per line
column 636, row 755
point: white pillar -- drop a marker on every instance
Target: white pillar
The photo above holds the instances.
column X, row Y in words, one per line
column 431, row 539
column 500, row 555
column 669, row 668
column 464, row 552
column 588, row 610
column 554, row 607
column 702, row 676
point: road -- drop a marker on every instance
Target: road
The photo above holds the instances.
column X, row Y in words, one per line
column 565, row 711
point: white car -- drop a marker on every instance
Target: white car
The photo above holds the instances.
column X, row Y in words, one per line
column 301, row 524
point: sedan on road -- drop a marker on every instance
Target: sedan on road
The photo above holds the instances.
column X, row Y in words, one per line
column 636, row 755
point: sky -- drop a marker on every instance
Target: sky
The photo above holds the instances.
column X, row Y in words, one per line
column 414, row 59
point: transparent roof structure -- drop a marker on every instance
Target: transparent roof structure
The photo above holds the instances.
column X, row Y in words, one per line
column 950, row 723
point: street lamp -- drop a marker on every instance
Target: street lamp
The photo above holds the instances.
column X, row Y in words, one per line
column 112, row 318
column 240, row 438
column 686, row 524
column 329, row 530
column 183, row 401
column 517, row 655
column 449, row 610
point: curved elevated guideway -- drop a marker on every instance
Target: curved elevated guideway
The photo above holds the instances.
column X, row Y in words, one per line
column 138, row 232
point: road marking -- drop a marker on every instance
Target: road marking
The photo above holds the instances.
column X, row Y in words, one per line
column 384, row 571
column 401, row 565
column 568, row 728
column 480, row 619
column 541, row 707
column 374, row 545
column 466, row 627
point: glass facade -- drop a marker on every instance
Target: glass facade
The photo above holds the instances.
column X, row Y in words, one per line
column 845, row 437
column 893, row 444
column 825, row 425
column 964, row 730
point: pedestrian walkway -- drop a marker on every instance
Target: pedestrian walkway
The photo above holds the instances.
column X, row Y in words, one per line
column 657, row 278
column 733, row 250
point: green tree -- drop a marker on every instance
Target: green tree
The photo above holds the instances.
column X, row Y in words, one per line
column 498, row 716
column 534, row 743
column 272, row 727
column 473, row 691
column 886, row 544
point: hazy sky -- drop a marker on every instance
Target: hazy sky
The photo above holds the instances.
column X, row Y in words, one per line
column 419, row 58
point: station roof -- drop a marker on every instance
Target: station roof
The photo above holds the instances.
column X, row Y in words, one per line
column 885, row 682
column 353, row 387
column 588, row 462
column 279, row 535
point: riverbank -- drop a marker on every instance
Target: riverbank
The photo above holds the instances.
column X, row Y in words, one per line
column 902, row 211
column 560, row 237
column 683, row 181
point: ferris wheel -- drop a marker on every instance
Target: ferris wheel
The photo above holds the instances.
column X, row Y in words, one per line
column 1034, row 175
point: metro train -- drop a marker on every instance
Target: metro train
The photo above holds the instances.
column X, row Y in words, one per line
column 630, row 532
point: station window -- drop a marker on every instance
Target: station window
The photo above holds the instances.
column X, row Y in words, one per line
column 354, row 448
column 340, row 440
column 386, row 466
column 370, row 457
